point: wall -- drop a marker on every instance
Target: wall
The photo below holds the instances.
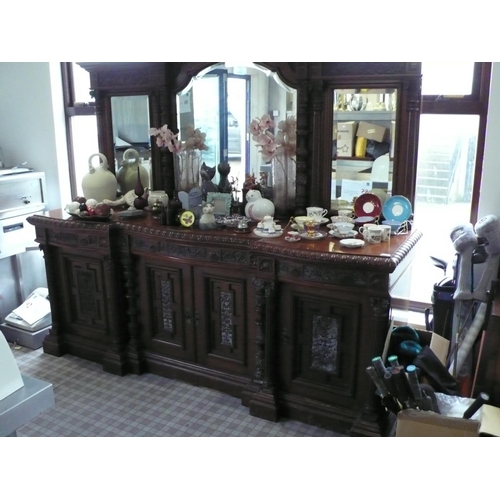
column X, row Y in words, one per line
column 489, row 200
column 32, row 122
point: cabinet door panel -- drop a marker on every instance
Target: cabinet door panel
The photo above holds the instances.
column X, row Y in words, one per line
column 86, row 310
column 318, row 344
column 221, row 312
column 167, row 310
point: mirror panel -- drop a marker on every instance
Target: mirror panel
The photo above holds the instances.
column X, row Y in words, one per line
column 130, row 123
column 221, row 101
column 364, row 128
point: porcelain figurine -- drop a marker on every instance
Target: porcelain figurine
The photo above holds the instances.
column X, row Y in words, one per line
column 207, row 220
column 257, row 207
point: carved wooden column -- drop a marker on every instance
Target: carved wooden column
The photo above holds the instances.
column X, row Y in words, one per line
column 134, row 347
column 372, row 419
column 263, row 403
column 115, row 359
column 54, row 341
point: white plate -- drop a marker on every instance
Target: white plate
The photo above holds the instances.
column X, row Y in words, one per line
column 336, row 234
column 352, row 243
column 316, row 236
column 292, row 239
column 264, row 234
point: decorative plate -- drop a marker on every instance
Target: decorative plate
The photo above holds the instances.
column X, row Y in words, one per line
column 352, row 243
column 367, row 205
column 397, row 208
column 292, row 239
column 336, row 234
column 265, row 234
column 92, row 218
column 187, row 218
column 315, row 236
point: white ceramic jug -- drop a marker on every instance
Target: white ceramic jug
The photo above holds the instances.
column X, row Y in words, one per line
column 99, row 183
column 127, row 174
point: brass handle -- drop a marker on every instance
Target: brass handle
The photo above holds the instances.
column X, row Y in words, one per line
column 187, row 316
column 196, row 317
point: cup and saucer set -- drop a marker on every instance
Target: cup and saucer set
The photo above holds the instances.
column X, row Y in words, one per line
column 308, row 226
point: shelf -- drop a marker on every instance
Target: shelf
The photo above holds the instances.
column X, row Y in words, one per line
column 367, row 116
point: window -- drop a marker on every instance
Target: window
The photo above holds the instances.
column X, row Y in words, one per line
column 450, row 151
column 81, row 123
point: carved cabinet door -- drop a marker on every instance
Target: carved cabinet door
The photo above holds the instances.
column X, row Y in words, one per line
column 86, row 307
column 318, row 338
column 167, row 323
column 223, row 302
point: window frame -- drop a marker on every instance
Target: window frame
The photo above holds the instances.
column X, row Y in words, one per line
column 475, row 103
column 71, row 109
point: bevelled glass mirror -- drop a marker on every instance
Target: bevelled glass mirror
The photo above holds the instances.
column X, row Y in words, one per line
column 225, row 101
column 364, row 132
column 130, row 122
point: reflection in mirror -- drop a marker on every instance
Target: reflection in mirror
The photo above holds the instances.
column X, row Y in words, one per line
column 130, row 120
column 364, row 130
column 222, row 101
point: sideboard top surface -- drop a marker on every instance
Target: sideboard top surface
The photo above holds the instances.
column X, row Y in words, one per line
column 384, row 255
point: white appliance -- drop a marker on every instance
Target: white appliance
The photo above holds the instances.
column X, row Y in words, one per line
column 33, row 314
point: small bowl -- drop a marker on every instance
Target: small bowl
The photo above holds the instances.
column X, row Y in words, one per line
column 343, row 227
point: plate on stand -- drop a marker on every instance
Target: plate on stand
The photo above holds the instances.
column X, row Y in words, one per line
column 397, row 208
column 367, row 205
column 315, row 236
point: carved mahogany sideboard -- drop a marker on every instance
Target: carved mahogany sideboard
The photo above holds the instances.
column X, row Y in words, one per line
column 288, row 328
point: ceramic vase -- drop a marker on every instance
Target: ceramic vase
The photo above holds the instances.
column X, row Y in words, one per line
column 127, row 174
column 155, row 196
column 140, row 203
column 99, row 183
column 187, row 166
column 284, row 180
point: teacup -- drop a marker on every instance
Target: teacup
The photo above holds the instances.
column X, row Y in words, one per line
column 372, row 234
column 311, row 226
column 345, row 213
column 343, row 228
column 386, row 232
column 366, row 227
column 316, row 213
column 300, row 220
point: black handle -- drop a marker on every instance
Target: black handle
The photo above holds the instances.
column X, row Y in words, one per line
column 479, row 401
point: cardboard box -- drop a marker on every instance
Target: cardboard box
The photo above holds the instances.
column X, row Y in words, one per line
column 417, row 423
column 346, row 133
column 371, row 131
column 438, row 345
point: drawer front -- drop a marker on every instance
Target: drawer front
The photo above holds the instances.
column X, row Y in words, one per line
column 21, row 194
column 16, row 233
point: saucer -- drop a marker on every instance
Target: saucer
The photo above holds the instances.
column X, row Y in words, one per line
column 336, row 234
column 316, row 236
column 352, row 243
column 292, row 239
column 265, row 234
